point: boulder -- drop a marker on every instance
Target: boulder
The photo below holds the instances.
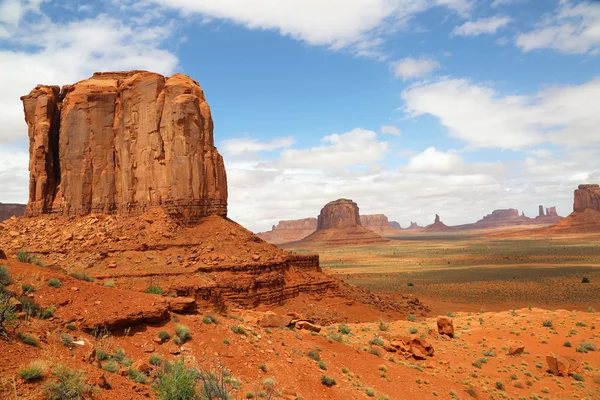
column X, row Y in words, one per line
column 121, row 142
column 308, row 326
column 445, row 326
column 272, row 320
column 516, row 350
column 422, row 345
column 561, row 365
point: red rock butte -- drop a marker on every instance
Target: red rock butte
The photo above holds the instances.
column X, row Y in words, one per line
column 585, row 217
column 122, row 142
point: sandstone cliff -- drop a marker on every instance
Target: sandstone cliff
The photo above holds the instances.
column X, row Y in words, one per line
column 585, row 217
column 122, row 142
column 290, row 231
column 9, row 210
column 587, row 196
column 379, row 224
column 437, row 226
column 340, row 213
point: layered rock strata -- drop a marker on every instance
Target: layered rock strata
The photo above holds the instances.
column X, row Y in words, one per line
column 122, row 142
column 11, row 210
column 379, row 224
column 290, row 230
column 585, row 217
column 342, row 213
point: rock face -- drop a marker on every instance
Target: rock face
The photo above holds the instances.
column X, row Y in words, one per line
column 437, row 226
column 9, row 210
column 394, row 225
column 587, row 196
column 414, row 226
column 341, row 213
column 290, row 231
column 379, row 224
column 501, row 215
column 122, row 142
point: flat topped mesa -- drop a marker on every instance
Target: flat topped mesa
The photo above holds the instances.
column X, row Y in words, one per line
column 341, row 213
column 122, row 142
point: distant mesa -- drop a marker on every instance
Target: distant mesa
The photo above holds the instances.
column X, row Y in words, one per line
column 585, row 217
column 290, row 231
column 121, row 142
column 11, row 210
column 414, row 227
column 380, row 224
column 437, row 226
column 339, row 224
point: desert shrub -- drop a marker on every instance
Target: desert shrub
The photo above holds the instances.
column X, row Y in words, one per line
column 489, row 353
column 30, row 307
column 109, row 283
column 48, row 312
column 68, row 385
column 499, row 385
column 182, row 334
column 584, row 347
column 581, row 324
column 376, row 341
column 382, row 368
column 55, row 283
column 383, row 326
column 27, row 288
column 28, row 339
column 410, row 284
column 476, row 364
column 249, row 395
column 375, row 351
column 322, row 365
column 154, row 289
column 66, row 339
column 7, row 312
column 262, row 367
column 71, row 326
column 111, row 366
column 212, row 317
column 591, row 309
column 412, row 330
column 567, row 344
column 547, row 323
column 164, row 336
column 370, row 392
column 5, row 278
column 218, row 383
column 33, row 371
column 344, row 370
column 226, row 341
column 156, row 360
column 313, row 355
column 329, row 382
column 239, row 329
column 338, row 337
column 411, row 317
column 136, row 375
column 118, row 355
column 82, row 276
column 585, row 279
column 343, row 329
column 102, row 355
column 578, row 377
column 26, row 257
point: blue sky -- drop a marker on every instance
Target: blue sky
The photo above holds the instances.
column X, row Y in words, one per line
column 409, row 107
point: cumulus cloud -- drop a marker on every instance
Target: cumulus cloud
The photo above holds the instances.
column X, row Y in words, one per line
column 482, row 26
column 432, row 160
column 411, row 68
column 14, row 174
column 357, row 25
column 246, row 146
column 574, row 28
column 390, row 130
column 483, row 117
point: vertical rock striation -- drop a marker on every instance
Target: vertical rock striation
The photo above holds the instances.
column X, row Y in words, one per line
column 587, row 196
column 122, row 142
column 341, row 213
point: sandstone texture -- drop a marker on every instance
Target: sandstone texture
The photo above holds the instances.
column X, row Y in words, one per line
column 11, row 210
column 340, row 213
column 379, row 224
column 585, row 217
column 290, row 231
column 587, row 196
column 122, row 142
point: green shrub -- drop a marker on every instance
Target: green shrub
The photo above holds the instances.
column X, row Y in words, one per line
column 313, row 355
column 585, row 279
column 411, row 317
column 28, row 339
column 239, row 329
column 33, row 371
column 109, row 283
column 410, row 284
column 476, row 364
column 499, row 385
column 111, row 366
column 262, row 367
column 102, row 355
column 383, row 326
column 68, row 385
column 27, row 288
column 249, row 395
column 226, row 341
column 329, row 382
column 343, row 329
column 55, row 283
column 156, row 360
column 5, row 278
column 118, row 355
column 7, row 312
column 412, row 330
column 584, row 347
column 30, row 307
column 66, row 339
column 547, row 323
column 376, row 341
column 322, row 365
column 370, row 392
column 182, row 334
column 578, row 377
column 82, row 276
column 153, row 289
column 164, row 336
column 71, row 326
column 210, row 318
column 136, row 375
column 48, row 312
column 567, row 344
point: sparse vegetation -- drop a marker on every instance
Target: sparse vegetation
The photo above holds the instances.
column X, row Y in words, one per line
column 584, row 347
column 343, row 329
column 182, row 334
column 177, row 383
column 111, row 366
column 156, row 360
column 164, row 336
column 154, row 289
column 411, row 317
column 578, row 377
column 25, row 257
column 28, row 339
column 48, row 312
column 5, row 278
column 136, row 375
column 585, row 279
column 210, row 319
column 313, row 355
column 67, row 385
column 239, row 329
column 82, row 276
column 66, row 339
column 102, row 355
column 567, row 344
column 109, row 283
column 55, row 283
column 33, row 371
column 376, row 341
column 547, row 323
column 329, row 382
column 322, row 365
column 27, row 288
column 499, row 385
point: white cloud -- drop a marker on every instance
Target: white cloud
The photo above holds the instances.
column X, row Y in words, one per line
column 411, row 68
column 58, row 53
column 390, row 130
column 498, row 3
column 573, row 29
column 432, row 160
column 14, row 174
column 244, row 146
column 482, row 26
column 358, row 25
column 483, row 117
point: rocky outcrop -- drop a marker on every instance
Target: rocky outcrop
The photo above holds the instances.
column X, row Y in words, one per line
column 341, row 213
column 551, row 212
column 587, row 196
column 339, row 224
column 414, row 226
column 562, row 365
column 290, row 231
column 379, row 224
column 122, row 142
column 501, row 215
column 11, row 210
column 394, row 225
column 437, row 226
